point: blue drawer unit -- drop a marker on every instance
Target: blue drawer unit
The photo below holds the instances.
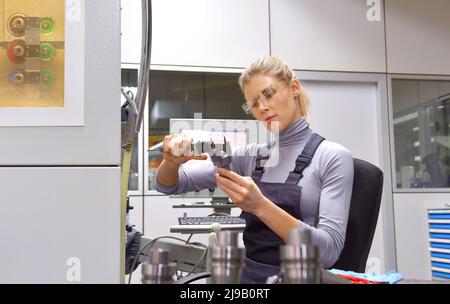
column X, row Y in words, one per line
column 439, row 237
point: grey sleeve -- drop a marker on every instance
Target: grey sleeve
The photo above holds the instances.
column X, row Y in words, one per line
column 336, row 174
column 193, row 175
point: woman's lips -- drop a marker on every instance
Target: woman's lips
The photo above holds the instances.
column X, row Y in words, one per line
column 270, row 118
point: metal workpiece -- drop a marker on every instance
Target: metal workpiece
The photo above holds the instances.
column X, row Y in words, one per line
column 226, row 259
column 220, row 153
column 227, row 239
column 300, row 264
column 299, row 236
column 158, row 269
column 300, row 259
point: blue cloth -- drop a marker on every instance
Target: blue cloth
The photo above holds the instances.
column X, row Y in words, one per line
column 390, row 277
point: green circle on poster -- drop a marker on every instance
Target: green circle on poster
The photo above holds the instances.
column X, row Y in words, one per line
column 47, row 25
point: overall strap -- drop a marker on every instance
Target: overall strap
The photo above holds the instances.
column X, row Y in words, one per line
column 304, row 159
column 260, row 160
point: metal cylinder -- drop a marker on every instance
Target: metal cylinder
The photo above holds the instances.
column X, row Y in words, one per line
column 157, row 269
column 226, row 259
column 300, row 260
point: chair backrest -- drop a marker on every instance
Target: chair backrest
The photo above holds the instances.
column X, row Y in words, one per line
column 363, row 216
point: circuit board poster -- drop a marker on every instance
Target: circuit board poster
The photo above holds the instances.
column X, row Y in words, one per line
column 32, row 53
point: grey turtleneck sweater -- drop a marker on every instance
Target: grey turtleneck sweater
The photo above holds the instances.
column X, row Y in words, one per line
column 326, row 184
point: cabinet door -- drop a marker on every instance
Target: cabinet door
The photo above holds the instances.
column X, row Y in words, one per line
column 225, row 33
column 353, row 107
column 349, row 113
column 328, row 35
column 131, row 25
column 62, row 225
column 414, row 237
column 418, row 36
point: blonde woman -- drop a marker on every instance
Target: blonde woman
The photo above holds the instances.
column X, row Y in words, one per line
column 311, row 187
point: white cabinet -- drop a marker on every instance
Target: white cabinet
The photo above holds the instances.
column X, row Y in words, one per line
column 328, row 35
column 60, row 225
column 412, row 234
column 418, row 36
column 60, row 181
column 220, row 33
column 131, row 28
column 352, row 106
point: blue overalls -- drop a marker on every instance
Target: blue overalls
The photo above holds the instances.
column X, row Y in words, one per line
column 261, row 243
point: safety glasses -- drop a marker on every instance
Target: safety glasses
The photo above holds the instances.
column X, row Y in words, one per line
column 264, row 98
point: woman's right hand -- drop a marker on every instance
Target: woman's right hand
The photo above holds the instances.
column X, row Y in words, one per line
column 177, row 150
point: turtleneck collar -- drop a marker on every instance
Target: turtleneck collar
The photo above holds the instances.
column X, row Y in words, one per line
column 295, row 133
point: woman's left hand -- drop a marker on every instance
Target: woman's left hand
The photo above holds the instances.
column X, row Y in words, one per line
column 242, row 191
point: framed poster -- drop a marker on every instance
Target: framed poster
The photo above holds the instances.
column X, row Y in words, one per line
column 42, row 63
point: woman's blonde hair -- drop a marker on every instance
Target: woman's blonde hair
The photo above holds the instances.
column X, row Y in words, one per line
column 277, row 68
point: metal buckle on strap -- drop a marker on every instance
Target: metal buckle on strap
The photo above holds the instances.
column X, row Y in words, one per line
column 302, row 160
column 299, row 169
column 259, row 159
column 300, row 164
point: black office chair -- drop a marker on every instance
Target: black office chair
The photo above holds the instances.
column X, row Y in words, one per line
column 363, row 216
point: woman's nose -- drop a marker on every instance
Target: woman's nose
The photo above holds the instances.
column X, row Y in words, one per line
column 262, row 106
